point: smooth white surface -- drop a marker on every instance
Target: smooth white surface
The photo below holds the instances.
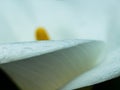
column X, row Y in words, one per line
column 63, row 19
column 108, row 69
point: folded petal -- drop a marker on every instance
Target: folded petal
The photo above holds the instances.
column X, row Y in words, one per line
column 108, row 69
column 53, row 63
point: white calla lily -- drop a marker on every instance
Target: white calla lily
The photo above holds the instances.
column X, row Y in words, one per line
column 59, row 63
column 52, row 64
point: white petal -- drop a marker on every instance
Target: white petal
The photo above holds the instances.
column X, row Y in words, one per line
column 108, row 69
column 6, row 34
column 114, row 28
column 17, row 51
column 56, row 69
column 61, row 18
column 20, row 22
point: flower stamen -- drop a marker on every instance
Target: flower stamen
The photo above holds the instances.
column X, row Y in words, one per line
column 41, row 34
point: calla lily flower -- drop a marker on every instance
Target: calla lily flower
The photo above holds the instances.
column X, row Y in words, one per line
column 83, row 49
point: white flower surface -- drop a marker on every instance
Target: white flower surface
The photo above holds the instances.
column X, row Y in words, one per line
column 90, row 56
